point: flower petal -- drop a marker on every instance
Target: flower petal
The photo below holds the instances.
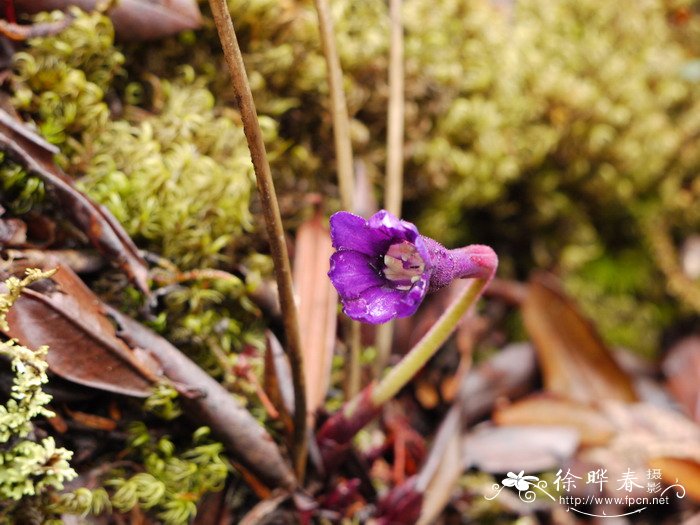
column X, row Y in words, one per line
column 351, row 232
column 380, row 304
column 352, row 273
column 393, row 227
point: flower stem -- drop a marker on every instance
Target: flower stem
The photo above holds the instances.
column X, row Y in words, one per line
column 335, row 434
column 273, row 222
column 409, row 366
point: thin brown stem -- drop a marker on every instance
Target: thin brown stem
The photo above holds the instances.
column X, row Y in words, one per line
column 395, row 126
column 339, row 108
column 273, row 222
column 343, row 155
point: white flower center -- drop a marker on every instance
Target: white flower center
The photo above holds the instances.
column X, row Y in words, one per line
column 403, row 265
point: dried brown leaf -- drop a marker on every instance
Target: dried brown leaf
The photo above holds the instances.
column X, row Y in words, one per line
column 574, row 360
column 681, row 366
column 529, row 448
column 206, row 401
column 134, row 20
column 103, row 230
column 679, row 470
column 65, row 315
column 317, row 307
column 543, row 410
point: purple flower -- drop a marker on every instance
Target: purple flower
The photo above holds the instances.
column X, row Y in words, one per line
column 383, row 267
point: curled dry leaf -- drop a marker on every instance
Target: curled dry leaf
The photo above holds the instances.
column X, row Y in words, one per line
column 84, row 348
column 103, row 230
column 134, row 20
column 574, row 360
column 317, row 301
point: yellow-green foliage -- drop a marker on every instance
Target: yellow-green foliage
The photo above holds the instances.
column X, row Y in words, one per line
column 29, row 468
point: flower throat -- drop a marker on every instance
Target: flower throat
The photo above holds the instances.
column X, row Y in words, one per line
column 403, row 265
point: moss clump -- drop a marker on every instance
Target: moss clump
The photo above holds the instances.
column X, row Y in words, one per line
column 178, row 176
column 173, row 481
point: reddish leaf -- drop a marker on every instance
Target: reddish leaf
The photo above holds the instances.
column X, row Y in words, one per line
column 317, row 307
column 83, row 346
column 575, row 363
column 134, row 20
column 103, row 230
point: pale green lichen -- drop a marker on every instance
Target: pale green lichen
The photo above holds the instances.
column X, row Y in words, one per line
column 29, row 468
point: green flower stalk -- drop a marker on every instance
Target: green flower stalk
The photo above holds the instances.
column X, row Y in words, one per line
column 383, row 269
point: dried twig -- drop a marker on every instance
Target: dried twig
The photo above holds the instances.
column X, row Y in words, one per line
column 273, row 221
column 393, row 189
column 343, row 155
column 339, row 108
column 19, row 32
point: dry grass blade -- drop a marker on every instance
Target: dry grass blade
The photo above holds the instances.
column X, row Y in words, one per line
column 278, row 381
column 574, row 360
column 317, row 308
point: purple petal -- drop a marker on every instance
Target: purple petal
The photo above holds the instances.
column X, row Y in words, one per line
column 351, row 232
column 352, row 273
column 380, row 304
column 392, row 227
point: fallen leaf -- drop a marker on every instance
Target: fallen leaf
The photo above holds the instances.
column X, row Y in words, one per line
column 545, row 410
column 206, row 401
column 13, row 232
column 134, row 20
column 574, row 360
column 508, row 374
column 515, row 448
column 103, row 230
column 83, row 347
column 679, row 471
column 317, row 300
column 681, row 366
